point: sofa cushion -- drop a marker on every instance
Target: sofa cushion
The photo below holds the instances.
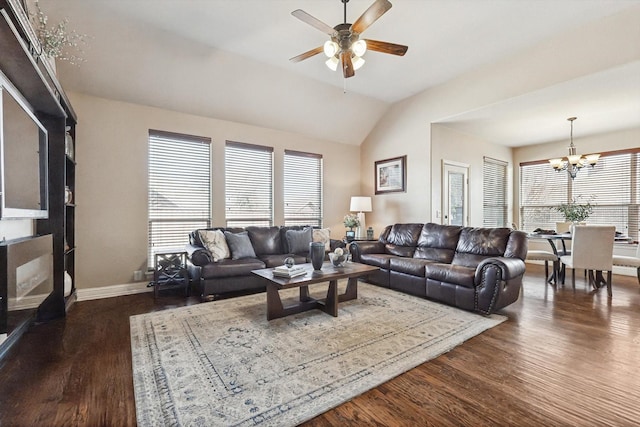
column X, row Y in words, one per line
column 231, row 268
column 412, row 266
column 377, row 260
column 265, row 240
column 402, row 239
column 216, row 243
column 477, row 244
column 240, row 245
column 438, row 242
column 298, row 240
column 323, row 235
column 456, row 274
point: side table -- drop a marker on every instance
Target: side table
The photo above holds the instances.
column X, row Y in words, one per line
column 170, row 271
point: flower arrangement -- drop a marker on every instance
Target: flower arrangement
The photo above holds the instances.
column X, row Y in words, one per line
column 351, row 221
column 56, row 40
column 574, row 211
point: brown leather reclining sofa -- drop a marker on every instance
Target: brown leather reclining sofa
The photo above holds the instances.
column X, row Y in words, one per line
column 478, row 269
column 270, row 245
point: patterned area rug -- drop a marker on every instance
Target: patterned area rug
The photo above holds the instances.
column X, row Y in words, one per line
column 222, row 363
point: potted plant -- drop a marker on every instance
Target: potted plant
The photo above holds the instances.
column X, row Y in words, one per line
column 573, row 212
column 351, row 221
column 58, row 42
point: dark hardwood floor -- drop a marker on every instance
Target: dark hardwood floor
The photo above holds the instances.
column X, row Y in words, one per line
column 565, row 357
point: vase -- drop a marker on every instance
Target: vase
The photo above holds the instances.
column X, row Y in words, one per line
column 316, row 254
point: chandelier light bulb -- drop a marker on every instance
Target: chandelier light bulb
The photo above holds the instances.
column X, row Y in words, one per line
column 332, row 63
column 359, row 47
column 330, row 48
column 357, row 62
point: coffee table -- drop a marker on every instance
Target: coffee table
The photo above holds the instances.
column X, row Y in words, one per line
column 329, row 273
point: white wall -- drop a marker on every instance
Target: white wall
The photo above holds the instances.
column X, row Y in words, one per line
column 450, row 144
column 111, row 180
column 405, row 129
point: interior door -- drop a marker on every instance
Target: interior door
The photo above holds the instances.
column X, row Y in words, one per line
column 455, row 193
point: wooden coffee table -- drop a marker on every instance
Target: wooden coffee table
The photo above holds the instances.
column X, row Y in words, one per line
column 329, row 273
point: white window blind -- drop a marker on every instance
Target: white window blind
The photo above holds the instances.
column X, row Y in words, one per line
column 179, row 189
column 248, row 184
column 495, row 201
column 302, row 188
column 612, row 187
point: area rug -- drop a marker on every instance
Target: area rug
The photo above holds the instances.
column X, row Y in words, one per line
column 222, row 363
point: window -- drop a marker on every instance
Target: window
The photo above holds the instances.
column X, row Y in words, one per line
column 179, row 189
column 248, row 184
column 495, row 201
column 612, row 186
column 302, row 188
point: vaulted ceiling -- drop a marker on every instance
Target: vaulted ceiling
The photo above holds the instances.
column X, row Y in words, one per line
column 229, row 59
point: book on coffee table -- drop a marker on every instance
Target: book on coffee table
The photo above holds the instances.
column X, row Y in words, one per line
column 289, row 272
column 293, row 271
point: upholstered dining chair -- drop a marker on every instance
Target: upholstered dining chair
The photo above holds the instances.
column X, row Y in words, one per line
column 592, row 250
column 629, row 261
column 546, row 256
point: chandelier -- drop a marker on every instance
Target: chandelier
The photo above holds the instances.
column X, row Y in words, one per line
column 573, row 162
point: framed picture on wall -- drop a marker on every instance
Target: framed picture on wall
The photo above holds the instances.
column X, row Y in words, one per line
column 391, row 175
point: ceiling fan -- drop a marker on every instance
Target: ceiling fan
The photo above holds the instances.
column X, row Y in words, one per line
column 345, row 46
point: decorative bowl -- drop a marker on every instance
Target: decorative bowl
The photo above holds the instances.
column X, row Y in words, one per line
column 338, row 260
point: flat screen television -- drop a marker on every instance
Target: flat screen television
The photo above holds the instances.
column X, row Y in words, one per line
column 23, row 157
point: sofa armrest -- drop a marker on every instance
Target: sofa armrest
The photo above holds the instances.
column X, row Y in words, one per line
column 198, row 255
column 498, row 281
column 358, row 248
column 509, row 267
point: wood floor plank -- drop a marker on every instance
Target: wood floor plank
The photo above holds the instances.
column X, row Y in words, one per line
column 567, row 356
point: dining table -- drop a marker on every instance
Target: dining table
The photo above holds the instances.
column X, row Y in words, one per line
column 596, row 278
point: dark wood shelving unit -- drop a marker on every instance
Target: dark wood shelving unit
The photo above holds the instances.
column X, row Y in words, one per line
column 38, row 84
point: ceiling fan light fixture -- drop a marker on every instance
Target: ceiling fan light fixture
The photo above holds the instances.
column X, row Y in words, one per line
column 359, row 48
column 332, row 63
column 330, row 48
column 357, row 62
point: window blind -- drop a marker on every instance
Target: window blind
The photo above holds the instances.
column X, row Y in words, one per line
column 302, row 188
column 248, row 184
column 495, row 200
column 179, row 199
column 612, row 187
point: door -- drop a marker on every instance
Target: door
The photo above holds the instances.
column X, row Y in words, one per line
column 455, row 193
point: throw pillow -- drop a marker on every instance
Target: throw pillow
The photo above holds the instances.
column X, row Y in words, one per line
column 298, row 240
column 322, row 235
column 240, row 245
column 215, row 243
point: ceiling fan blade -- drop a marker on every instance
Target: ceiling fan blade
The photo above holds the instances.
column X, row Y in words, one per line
column 371, row 15
column 307, row 54
column 386, row 47
column 347, row 65
column 314, row 22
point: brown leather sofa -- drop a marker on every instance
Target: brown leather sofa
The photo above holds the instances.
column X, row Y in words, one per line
column 478, row 269
column 228, row 276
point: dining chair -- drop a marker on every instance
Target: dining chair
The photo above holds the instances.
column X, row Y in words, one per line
column 591, row 250
column 629, row 261
column 546, row 256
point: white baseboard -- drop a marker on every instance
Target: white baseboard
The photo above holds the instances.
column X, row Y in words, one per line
column 112, row 291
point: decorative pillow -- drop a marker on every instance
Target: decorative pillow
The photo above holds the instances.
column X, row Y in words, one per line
column 240, row 245
column 298, row 240
column 322, row 235
column 215, row 243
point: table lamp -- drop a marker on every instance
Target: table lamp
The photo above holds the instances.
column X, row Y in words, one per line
column 360, row 204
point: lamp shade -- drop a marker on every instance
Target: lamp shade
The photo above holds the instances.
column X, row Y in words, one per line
column 360, row 204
